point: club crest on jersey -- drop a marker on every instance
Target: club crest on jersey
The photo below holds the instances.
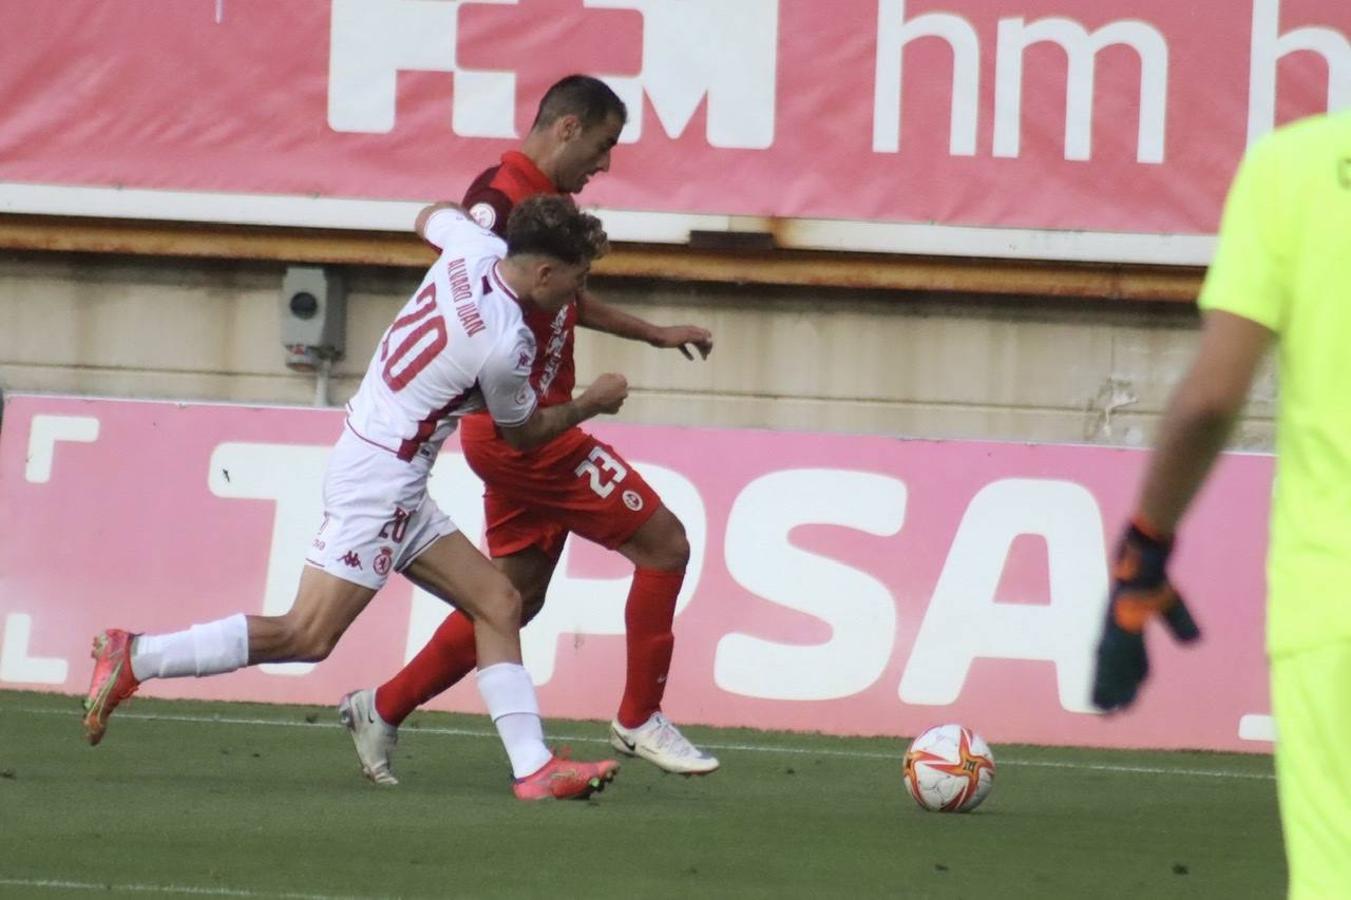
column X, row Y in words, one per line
column 384, row 560
column 633, row 500
column 484, row 214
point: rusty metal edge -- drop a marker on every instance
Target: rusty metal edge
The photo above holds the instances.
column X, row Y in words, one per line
column 752, row 266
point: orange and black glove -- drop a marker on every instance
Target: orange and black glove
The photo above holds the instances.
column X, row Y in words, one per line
column 1140, row 591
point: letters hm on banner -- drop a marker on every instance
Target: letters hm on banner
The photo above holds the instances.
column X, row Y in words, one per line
column 987, row 128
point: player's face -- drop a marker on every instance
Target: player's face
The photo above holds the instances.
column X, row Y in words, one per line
column 585, row 152
column 556, row 283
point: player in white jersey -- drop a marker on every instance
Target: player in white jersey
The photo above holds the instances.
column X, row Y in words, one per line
column 458, row 345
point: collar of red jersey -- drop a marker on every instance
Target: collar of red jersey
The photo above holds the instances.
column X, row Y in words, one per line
column 515, row 159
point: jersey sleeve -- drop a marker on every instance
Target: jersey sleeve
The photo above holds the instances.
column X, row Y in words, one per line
column 1248, row 274
column 451, row 228
column 504, row 380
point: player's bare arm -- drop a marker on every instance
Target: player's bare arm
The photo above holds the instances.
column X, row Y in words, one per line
column 597, row 315
column 605, row 396
column 1198, row 420
column 1201, row 415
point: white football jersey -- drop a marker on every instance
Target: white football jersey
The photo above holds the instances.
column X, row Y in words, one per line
column 458, row 346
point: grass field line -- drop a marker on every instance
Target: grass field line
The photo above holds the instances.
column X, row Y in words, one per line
column 55, row 885
column 748, row 748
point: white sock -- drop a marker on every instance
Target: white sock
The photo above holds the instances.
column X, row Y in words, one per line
column 510, row 697
column 210, row 649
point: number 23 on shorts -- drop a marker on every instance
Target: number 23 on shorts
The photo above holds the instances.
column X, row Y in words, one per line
column 603, row 469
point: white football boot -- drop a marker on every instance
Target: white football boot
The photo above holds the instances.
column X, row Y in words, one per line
column 659, row 742
column 375, row 740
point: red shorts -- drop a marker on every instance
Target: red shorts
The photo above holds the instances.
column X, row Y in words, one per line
column 574, row 483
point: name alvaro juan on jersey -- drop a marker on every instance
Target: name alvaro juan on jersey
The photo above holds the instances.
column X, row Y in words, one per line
column 462, row 298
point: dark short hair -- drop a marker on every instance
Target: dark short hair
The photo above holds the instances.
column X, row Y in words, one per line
column 552, row 225
column 587, row 98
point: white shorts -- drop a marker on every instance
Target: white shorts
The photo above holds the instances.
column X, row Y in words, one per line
column 377, row 515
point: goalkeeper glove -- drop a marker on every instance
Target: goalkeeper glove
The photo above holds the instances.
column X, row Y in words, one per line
column 1140, row 590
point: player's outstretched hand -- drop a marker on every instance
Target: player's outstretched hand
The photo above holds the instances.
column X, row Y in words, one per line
column 1140, row 590
column 682, row 337
column 607, row 393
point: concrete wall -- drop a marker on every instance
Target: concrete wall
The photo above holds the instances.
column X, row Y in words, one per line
column 847, row 361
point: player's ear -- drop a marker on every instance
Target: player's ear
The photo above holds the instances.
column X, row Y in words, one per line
column 544, row 271
column 569, row 127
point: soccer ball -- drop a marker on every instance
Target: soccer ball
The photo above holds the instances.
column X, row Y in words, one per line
column 949, row 769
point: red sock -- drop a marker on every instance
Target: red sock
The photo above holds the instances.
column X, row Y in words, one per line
column 647, row 618
column 449, row 656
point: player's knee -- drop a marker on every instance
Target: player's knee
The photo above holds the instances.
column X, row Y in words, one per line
column 659, row 544
column 501, row 608
column 675, row 546
column 310, row 641
column 319, row 645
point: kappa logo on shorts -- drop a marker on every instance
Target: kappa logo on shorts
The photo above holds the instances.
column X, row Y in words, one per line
column 633, row 500
column 351, row 559
column 384, row 560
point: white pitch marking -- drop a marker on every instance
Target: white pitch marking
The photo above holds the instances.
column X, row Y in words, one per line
column 60, row 885
column 748, row 748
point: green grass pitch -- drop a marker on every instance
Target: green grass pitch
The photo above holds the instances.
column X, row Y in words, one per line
column 243, row 800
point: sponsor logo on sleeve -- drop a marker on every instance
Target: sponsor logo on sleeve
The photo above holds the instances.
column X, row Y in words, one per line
column 483, row 214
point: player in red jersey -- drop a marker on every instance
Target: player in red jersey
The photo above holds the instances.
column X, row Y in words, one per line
column 459, row 344
column 574, row 483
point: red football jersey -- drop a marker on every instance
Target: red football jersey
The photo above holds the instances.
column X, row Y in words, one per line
column 489, row 201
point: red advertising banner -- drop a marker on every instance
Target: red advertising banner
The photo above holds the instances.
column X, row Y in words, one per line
column 852, row 585
column 978, row 127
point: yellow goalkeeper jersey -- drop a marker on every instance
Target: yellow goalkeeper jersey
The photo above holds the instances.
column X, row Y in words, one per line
column 1284, row 261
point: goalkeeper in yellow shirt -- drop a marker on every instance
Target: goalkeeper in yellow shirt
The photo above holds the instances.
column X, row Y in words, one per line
column 1281, row 275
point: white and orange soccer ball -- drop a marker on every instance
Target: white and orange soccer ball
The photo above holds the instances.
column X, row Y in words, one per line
column 949, row 768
